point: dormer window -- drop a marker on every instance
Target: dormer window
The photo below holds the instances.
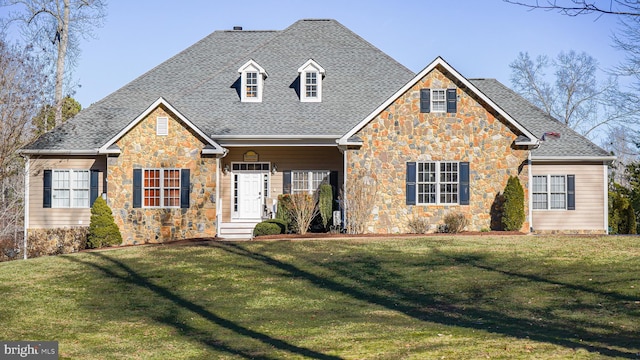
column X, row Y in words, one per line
column 311, row 75
column 252, row 78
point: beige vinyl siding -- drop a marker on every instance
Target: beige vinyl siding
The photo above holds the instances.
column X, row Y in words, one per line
column 285, row 158
column 40, row 217
column 589, row 214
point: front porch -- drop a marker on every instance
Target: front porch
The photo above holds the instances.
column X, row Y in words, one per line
column 252, row 178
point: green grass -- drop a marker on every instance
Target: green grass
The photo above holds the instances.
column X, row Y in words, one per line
column 478, row 297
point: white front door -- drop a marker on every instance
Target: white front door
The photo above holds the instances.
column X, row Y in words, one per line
column 250, row 195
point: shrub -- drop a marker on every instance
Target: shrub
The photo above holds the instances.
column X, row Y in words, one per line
column 325, row 203
column 622, row 219
column 513, row 208
column 455, row 222
column 283, row 211
column 284, row 227
column 418, row 225
column 266, row 228
column 103, row 230
column 304, row 208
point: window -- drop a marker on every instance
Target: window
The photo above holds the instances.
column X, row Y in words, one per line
column 437, row 182
column 252, row 78
column 251, row 88
column 311, row 74
column 438, row 101
column 70, row 188
column 161, row 188
column 553, row 192
column 311, row 85
column 308, row 181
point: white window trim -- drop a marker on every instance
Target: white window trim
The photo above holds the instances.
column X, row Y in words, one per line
column 309, row 188
column 162, row 126
column 433, row 101
column 548, row 192
column 71, row 189
column 311, row 67
column 162, row 188
column 251, row 67
column 437, row 183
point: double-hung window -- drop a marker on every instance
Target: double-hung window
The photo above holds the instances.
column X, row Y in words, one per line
column 251, row 89
column 553, row 192
column 438, row 182
column 161, row 188
column 308, row 181
column 311, row 85
column 438, row 101
column 70, row 188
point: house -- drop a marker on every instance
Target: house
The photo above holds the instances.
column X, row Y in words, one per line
column 203, row 144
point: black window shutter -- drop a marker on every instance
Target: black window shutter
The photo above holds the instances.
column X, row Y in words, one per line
column 93, row 191
column 452, row 101
column 571, row 192
column 46, row 199
column 425, row 100
column 185, row 188
column 333, row 181
column 137, row 188
column 411, row 183
column 286, row 182
column 464, row 183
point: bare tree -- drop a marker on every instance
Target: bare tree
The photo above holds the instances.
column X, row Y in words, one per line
column 21, row 97
column 358, row 200
column 56, row 26
column 572, row 93
column 304, row 208
column 583, row 7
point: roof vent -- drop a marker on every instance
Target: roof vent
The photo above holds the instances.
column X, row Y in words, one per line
column 237, row 28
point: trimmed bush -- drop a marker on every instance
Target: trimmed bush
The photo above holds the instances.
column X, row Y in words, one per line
column 283, row 211
column 43, row 242
column 455, row 222
column 103, row 230
column 513, row 208
column 284, row 227
column 266, row 228
column 325, row 203
column 622, row 218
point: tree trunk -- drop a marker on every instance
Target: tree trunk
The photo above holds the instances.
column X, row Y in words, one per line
column 62, row 37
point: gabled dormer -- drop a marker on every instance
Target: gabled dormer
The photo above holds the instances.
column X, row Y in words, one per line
column 252, row 78
column 311, row 75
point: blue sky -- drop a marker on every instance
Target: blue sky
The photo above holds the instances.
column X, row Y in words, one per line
column 478, row 38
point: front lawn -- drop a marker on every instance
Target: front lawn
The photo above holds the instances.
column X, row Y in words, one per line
column 427, row 298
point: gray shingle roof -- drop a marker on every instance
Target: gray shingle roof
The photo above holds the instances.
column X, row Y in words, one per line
column 571, row 144
column 198, row 82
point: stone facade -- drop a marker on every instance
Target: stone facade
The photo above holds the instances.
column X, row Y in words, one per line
column 180, row 149
column 401, row 133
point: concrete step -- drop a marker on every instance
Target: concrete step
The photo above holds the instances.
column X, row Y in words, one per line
column 237, row 230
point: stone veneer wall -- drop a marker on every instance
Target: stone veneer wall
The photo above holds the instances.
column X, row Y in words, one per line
column 142, row 148
column 401, row 133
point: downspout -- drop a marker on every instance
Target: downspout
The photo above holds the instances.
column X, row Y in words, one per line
column 344, row 187
column 27, row 171
column 606, row 197
column 218, row 169
column 529, row 186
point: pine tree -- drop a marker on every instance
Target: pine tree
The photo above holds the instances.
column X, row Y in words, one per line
column 103, row 230
column 513, row 209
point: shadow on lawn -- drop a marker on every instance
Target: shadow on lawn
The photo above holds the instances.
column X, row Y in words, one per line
column 118, row 270
column 362, row 277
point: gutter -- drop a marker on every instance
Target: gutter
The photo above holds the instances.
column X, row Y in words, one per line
column 573, row 158
column 58, row 152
